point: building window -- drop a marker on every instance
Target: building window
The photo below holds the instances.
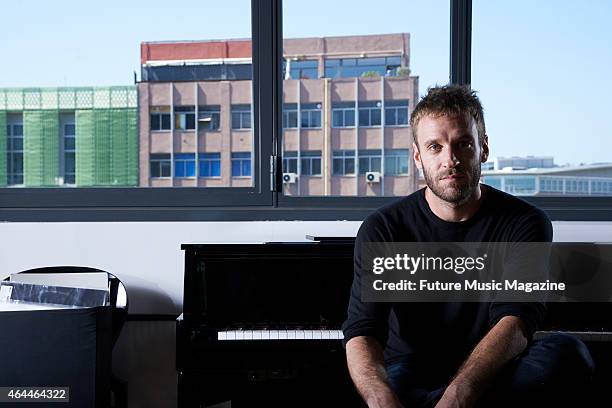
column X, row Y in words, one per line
column 369, row 160
column 311, row 163
column 343, row 162
column 343, row 114
column 575, row 186
column 520, row 185
column 356, row 67
column 369, row 113
column 396, row 113
column 160, row 118
column 184, row 165
column 290, row 116
column 493, row 181
column 69, row 153
column 551, row 185
column 310, row 115
column 396, row 162
column 210, row 165
column 209, row 117
column 290, row 162
column 241, row 164
column 241, row 116
column 184, row 117
column 14, row 154
column 161, row 166
column 306, row 69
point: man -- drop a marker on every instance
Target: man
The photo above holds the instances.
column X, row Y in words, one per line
column 456, row 354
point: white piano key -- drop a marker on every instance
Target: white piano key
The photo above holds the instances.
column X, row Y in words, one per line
column 232, row 335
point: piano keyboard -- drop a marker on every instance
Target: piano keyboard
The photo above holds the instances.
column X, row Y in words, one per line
column 280, row 335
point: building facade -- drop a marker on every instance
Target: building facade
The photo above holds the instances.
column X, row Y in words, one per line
column 347, row 104
column 71, row 137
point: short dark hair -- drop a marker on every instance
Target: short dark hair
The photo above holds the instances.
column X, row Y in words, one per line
column 449, row 100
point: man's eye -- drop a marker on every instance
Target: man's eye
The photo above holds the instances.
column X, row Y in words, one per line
column 434, row 146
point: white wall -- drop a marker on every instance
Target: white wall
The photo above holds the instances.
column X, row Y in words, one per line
column 147, row 257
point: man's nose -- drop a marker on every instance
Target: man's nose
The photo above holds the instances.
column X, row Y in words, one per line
column 450, row 159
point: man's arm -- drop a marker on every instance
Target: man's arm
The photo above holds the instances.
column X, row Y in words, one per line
column 504, row 341
column 366, row 365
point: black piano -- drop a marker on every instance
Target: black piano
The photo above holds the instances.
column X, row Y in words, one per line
column 261, row 325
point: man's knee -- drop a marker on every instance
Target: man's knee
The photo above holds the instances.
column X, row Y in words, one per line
column 567, row 353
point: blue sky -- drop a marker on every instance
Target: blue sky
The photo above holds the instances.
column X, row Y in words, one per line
column 541, row 68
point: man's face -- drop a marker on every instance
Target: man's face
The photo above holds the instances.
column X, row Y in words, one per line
column 449, row 154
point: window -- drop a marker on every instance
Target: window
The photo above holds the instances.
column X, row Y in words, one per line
column 396, row 113
column 343, row 114
column 369, row 160
column 14, row 150
column 290, row 162
column 69, row 153
column 578, row 149
column 209, row 117
column 520, row 185
column 290, row 116
column 369, row 114
column 161, row 166
column 356, row 67
column 396, row 162
column 311, row 163
column 210, row 165
column 307, row 69
column 343, row 162
column 241, row 116
column 184, row 117
column 310, row 115
column 241, row 164
column 184, row 165
column 160, row 118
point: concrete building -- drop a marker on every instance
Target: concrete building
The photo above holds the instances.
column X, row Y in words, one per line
column 52, row 137
column 585, row 180
column 347, row 103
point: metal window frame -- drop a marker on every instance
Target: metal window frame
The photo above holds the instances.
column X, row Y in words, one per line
column 265, row 200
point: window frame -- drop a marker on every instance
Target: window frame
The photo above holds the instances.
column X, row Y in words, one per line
column 263, row 201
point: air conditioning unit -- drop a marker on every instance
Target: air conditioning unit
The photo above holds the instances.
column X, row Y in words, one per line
column 373, row 177
column 289, row 178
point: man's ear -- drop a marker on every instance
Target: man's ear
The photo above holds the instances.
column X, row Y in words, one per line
column 484, row 149
column 416, row 156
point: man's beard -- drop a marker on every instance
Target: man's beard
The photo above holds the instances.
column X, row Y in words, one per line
column 458, row 194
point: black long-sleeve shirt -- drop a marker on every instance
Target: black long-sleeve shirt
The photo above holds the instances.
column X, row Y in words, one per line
column 441, row 335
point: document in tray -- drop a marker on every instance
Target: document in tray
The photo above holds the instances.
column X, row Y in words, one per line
column 85, row 280
column 16, row 292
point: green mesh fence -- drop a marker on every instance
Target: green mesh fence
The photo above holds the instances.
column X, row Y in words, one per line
column 3, row 140
column 107, row 147
column 41, row 148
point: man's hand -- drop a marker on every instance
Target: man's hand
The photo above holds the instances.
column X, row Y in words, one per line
column 456, row 397
column 366, row 365
column 504, row 341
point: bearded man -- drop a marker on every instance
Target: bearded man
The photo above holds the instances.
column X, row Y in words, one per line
column 457, row 354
